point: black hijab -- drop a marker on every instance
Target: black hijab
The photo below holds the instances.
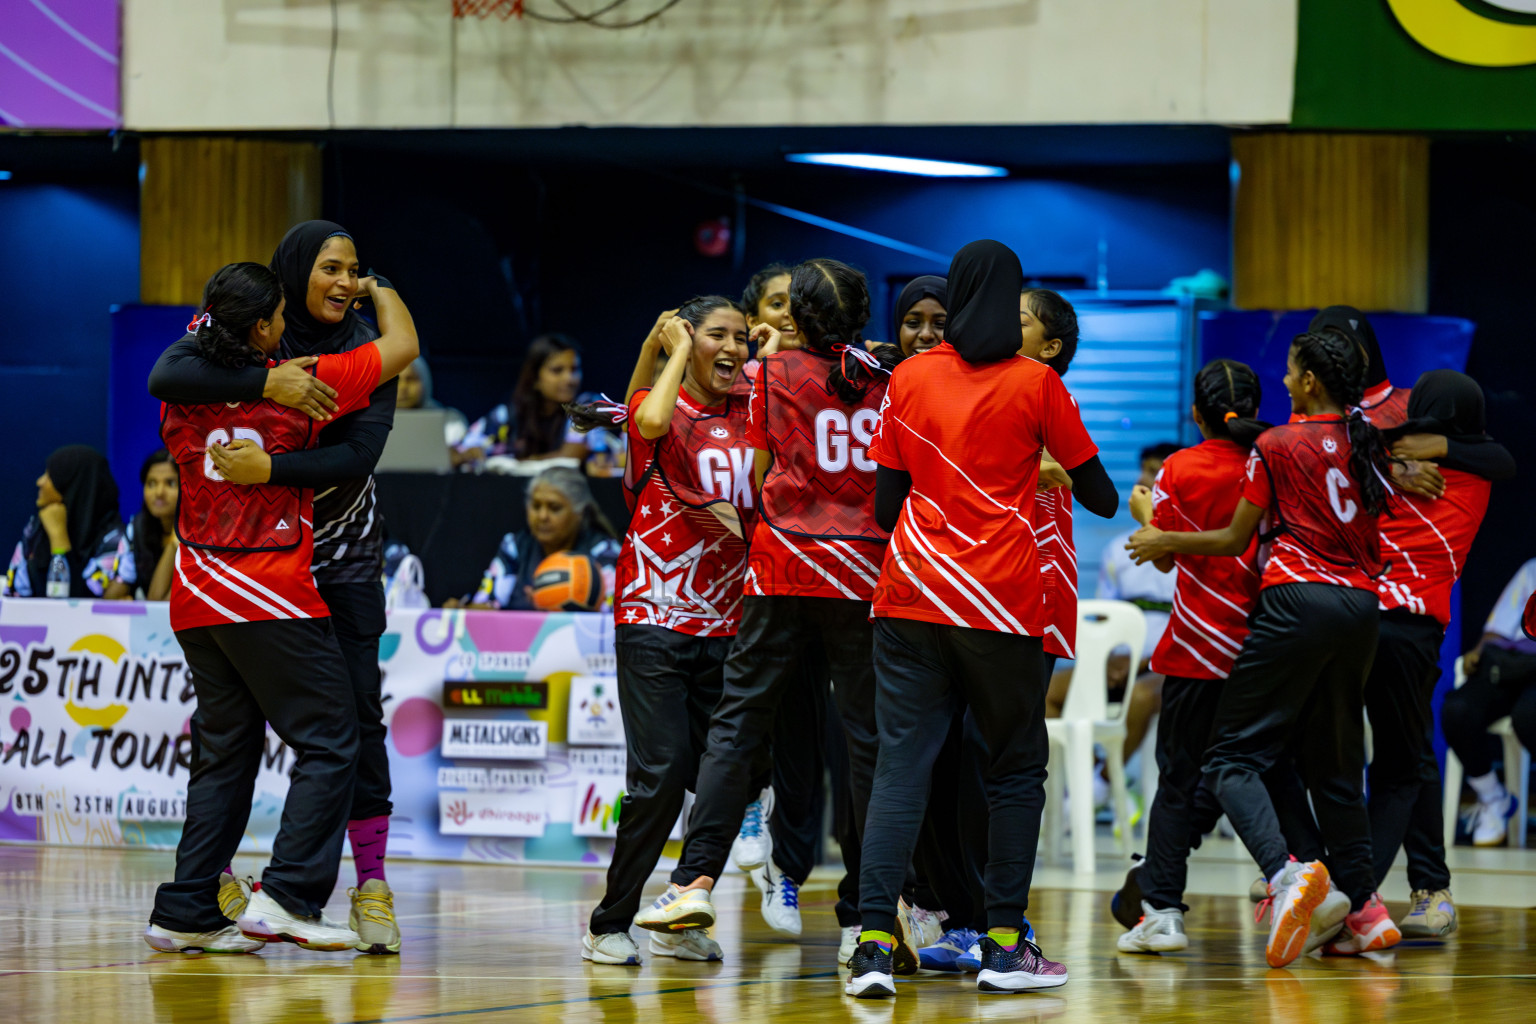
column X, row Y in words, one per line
column 292, row 263
column 985, row 281
column 81, row 476
column 1445, row 402
column 1354, row 324
column 929, row 286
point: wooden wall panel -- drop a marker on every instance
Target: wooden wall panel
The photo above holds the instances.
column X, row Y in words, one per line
column 1321, row 219
column 206, row 201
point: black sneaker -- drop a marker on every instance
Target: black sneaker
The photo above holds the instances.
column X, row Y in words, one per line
column 871, row 972
column 1125, row 905
column 1022, row 969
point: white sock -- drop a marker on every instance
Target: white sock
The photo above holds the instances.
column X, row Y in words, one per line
column 1488, row 788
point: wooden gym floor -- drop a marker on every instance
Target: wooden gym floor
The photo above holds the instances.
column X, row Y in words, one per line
column 485, row 943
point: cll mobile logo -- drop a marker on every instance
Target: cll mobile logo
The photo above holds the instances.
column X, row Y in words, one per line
column 597, row 811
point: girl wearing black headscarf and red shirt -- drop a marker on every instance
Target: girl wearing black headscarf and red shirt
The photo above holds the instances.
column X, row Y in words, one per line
column 1429, row 541
column 77, row 518
column 318, row 266
column 958, row 602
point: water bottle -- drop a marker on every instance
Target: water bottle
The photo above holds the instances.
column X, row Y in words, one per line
column 58, row 577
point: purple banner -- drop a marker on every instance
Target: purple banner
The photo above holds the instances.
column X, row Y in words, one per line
column 59, row 63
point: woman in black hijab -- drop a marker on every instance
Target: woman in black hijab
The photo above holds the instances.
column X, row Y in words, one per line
column 921, row 314
column 77, row 517
column 1430, row 540
column 957, row 606
column 318, row 266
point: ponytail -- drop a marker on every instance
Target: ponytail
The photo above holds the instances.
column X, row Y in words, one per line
column 829, row 302
column 235, row 299
column 1339, row 365
column 1228, row 395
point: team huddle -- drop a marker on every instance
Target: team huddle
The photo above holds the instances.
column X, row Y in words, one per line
column 881, row 532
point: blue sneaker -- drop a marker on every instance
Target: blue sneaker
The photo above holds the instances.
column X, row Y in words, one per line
column 944, row 954
column 970, row 960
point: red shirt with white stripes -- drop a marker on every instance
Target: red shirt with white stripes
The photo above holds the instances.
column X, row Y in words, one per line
column 1385, row 406
column 1427, row 541
column 1299, row 474
column 680, row 567
column 1058, row 571
column 796, row 564
column 970, row 435
column 1197, row 489
column 217, row 587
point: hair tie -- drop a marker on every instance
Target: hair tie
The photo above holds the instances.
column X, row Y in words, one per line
column 607, row 405
column 860, row 353
column 199, row 321
column 1229, row 417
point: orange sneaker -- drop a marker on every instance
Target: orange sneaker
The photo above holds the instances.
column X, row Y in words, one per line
column 1296, row 894
column 1367, row 930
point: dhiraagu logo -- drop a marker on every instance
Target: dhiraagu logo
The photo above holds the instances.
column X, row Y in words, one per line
column 1457, row 32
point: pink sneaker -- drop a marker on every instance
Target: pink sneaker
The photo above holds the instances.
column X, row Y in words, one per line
column 1366, row 930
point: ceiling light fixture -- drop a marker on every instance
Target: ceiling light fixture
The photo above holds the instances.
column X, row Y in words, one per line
column 899, row 165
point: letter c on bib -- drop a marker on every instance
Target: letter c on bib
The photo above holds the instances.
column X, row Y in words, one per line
column 1344, row 508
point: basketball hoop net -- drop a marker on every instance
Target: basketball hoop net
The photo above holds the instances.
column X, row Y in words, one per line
column 482, row 9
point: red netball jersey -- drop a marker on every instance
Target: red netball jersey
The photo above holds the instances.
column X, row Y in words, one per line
column 245, row 551
column 1385, row 406
column 970, row 435
column 1198, row 489
column 817, row 535
column 1299, row 474
column 1058, row 571
column 681, row 566
column 1427, row 542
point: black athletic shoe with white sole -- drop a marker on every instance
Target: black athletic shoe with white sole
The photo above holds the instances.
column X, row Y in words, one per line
column 1021, row 969
column 871, row 976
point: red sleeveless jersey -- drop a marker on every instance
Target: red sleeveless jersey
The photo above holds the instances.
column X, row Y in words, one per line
column 817, row 535
column 681, row 564
column 1428, row 541
column 1317, row 528
column 1197, row 489
column 245, row 550
column 1058, row 571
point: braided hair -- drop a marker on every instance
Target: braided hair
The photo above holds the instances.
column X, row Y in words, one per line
column 1058, row 318
column 605, row 414
column 829, row 302
column 1227, row 394
column 235, row 299
column 1339, row 365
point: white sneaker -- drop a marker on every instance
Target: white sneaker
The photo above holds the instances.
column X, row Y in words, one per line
column 754, row 843
column 677, row 909
column 611, row 948
column 849, row 943
column 1297, row 892
column 694, row 944
column 1327, row 919
column 1158, row 931
column 225, row 940
column 1488, row 823
column 927, row 927
column 265, row 919
column 781, row 899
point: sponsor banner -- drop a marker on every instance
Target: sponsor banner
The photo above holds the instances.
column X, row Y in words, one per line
column 520, row 813
column 489, row 738
column 599, row 790
column 594, row 715
column 95, row 743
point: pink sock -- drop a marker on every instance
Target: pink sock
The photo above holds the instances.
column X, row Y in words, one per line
column 369, row 837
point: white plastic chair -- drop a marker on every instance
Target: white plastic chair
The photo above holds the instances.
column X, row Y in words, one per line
column 1517, row 763
column 1101, row 627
